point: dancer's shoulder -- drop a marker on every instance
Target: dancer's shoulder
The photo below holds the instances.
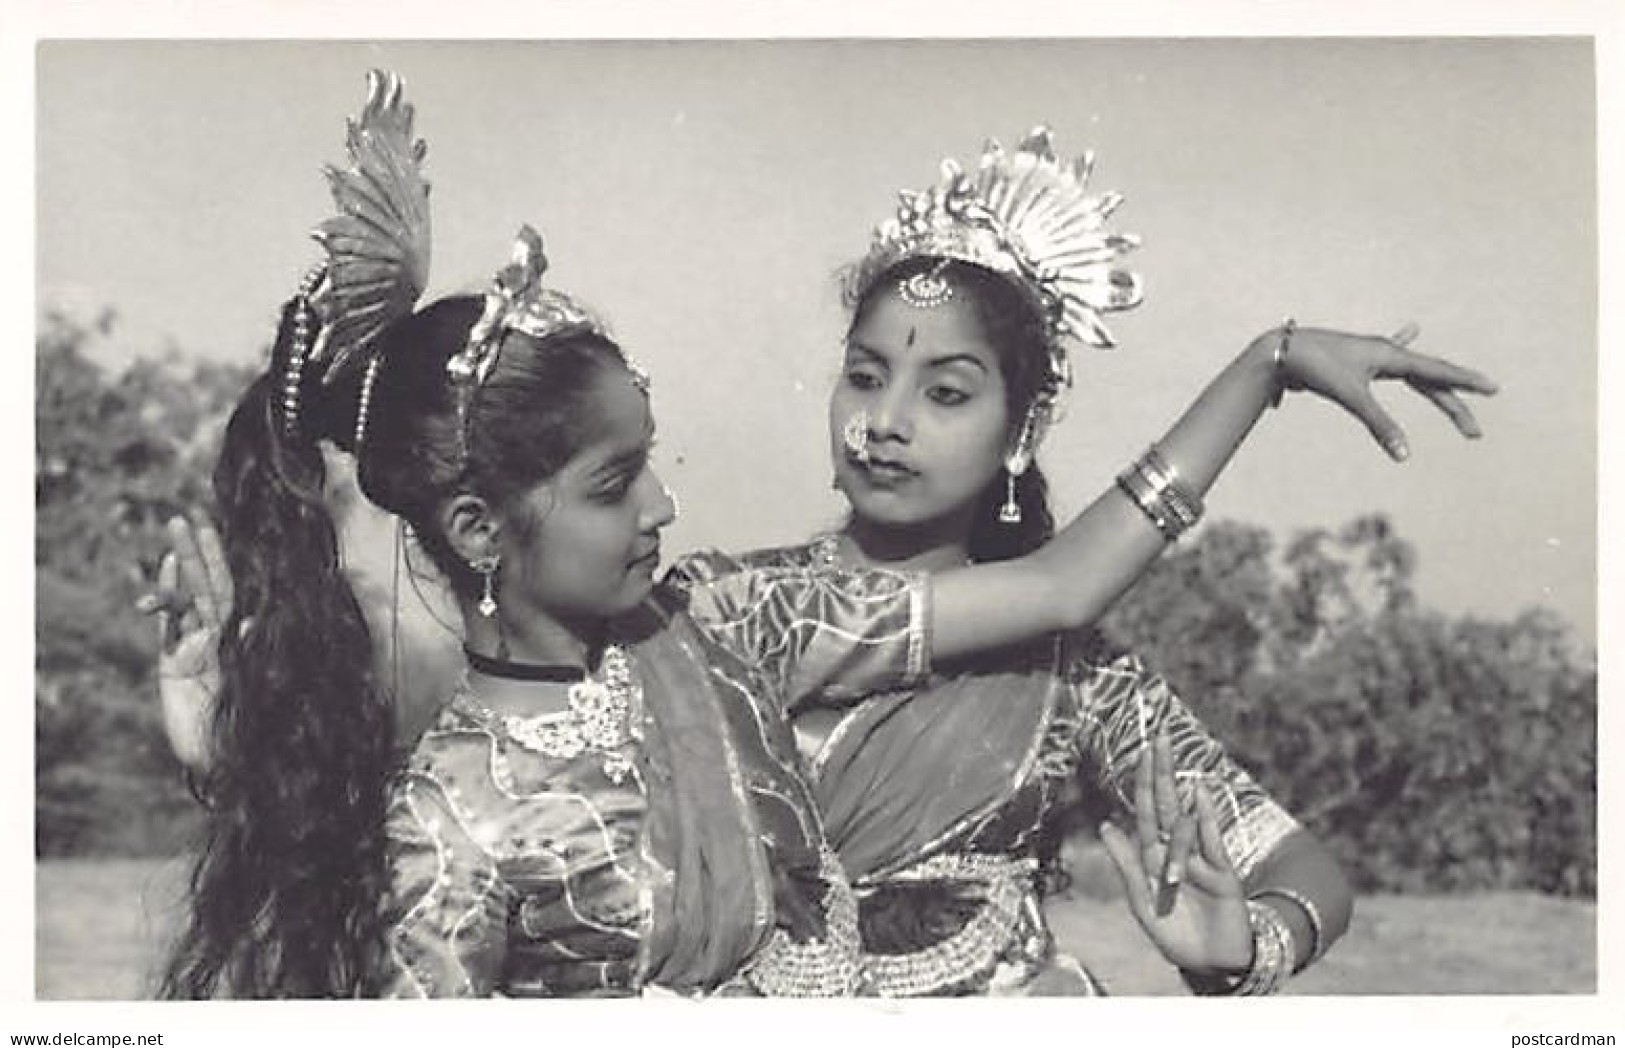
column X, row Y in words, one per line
column 707, row 565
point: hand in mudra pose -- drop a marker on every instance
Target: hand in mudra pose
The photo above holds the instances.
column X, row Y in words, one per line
column 1181, row 885
column 1341, row 368
column 190, row 603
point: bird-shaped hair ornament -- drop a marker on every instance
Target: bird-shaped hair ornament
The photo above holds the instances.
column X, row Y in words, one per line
column 517, row 301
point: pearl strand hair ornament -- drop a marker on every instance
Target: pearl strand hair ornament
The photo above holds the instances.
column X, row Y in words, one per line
column 299, row 352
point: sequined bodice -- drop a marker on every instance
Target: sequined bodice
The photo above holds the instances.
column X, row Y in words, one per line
column 951, row 893
column 545, row 855
column 499, row 844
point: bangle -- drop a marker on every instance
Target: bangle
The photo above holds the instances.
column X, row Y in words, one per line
column 1139, row 488
column 1184, row 504
column 1273, row 950
column 1155, row 487
column 1283, row 346
column 1317, row 930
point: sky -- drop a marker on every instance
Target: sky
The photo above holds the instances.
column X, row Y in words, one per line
column 703, row 194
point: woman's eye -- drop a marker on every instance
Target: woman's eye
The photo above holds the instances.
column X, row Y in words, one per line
column 863, row 380
column 614, row 493
column 948, row 395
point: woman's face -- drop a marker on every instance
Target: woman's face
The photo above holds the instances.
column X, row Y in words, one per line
column 929, row 384
column 585, row 543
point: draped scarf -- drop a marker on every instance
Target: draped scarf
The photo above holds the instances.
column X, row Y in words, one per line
column 906, row 772
column 712, row 896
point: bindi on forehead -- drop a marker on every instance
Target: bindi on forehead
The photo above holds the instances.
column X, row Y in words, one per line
column 913, row 333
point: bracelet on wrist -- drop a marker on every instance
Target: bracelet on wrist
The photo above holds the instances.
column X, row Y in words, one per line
column 1311, row 912
column 1273, row 951
column 1283, row 346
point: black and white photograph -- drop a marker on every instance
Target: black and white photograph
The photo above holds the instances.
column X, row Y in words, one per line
column 901, row 517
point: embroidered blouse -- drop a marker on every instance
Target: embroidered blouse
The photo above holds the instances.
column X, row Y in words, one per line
column 934, row 794
column 683, row 852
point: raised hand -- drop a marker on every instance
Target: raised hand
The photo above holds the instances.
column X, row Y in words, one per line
column 189, row 604
column 1341, row 368
column 1180, row 883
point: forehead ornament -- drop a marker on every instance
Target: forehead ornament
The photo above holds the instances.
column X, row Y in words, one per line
column 928, row 288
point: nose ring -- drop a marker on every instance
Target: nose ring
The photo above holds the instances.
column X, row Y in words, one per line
column 856, row 436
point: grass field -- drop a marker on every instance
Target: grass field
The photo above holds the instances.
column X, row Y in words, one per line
column 100, row 925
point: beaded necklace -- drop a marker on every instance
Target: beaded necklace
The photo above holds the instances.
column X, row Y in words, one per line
column 599, row 717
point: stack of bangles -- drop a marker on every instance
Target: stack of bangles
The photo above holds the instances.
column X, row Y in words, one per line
column 1274, row 950
column 1156, row 488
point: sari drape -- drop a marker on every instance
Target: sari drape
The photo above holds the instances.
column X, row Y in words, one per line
column 906, row 773
column 712, row 905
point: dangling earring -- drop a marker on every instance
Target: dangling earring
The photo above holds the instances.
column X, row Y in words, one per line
column 1010, row 512
column 1015, row 464
column 488, row 600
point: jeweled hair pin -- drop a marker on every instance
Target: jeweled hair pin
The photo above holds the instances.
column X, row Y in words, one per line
column 517, row 301
column 1029, row 217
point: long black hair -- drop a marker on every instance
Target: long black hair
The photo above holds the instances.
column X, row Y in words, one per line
column 1015, row 328
column 289, row 879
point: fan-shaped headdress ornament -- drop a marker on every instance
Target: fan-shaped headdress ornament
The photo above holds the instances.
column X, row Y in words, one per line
column 377, row 248
column 1029, row 217
column 377, row 266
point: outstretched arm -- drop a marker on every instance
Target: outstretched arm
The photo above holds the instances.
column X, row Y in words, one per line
column 1076, row 577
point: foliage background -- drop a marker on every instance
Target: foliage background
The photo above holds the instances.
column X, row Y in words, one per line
column 1432, row 751
column 116, row 455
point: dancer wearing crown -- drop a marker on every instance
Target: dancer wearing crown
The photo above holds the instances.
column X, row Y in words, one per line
column 606, row 801
column 937, row 797
column 472, row 857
